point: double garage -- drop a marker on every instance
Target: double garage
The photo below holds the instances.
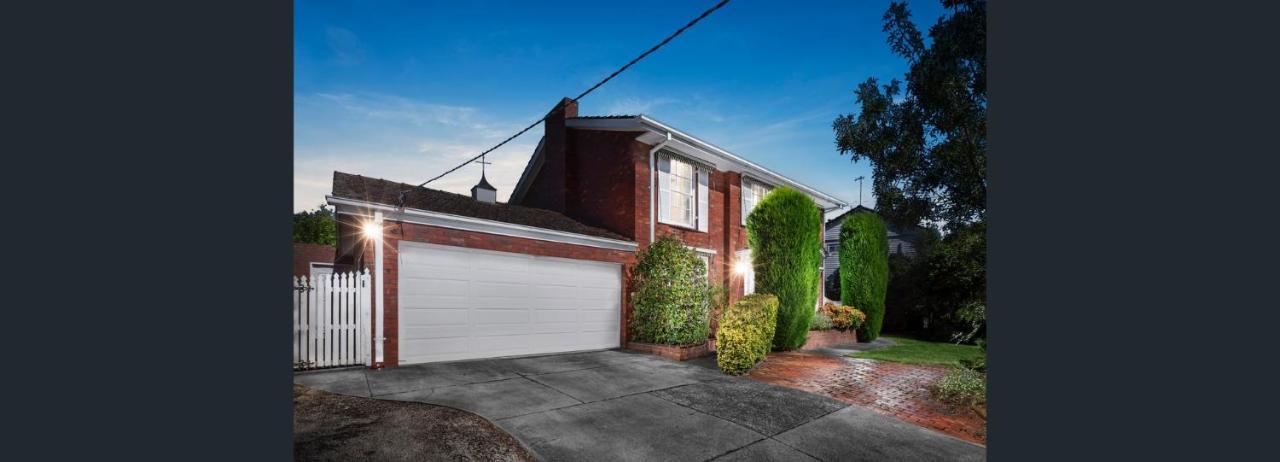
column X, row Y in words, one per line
column 459, row 277
column 466, row 303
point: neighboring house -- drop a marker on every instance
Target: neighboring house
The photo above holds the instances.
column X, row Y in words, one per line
column 468, row 277
column 900, row 242
column 312, row 260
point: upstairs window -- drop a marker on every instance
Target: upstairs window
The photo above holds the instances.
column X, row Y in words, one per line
column 682, row 192
column 752, row 193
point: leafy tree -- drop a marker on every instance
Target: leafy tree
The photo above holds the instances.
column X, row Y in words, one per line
column 786, row 251
column 927, row 142
column 864, row 269
column 315, row 227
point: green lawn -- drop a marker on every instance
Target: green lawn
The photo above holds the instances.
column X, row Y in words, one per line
column 911, row 351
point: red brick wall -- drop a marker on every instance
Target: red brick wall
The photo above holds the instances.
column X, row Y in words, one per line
column 305, row 254
column 396, row 231
column 601, row 168
column 547, row 189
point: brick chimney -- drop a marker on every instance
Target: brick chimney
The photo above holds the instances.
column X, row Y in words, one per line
column 552, row 178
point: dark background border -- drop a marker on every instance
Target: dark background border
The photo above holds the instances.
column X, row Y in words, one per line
column 148, row 156
column 150, row 194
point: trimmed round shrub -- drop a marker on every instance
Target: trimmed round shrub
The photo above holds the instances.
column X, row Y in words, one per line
column 670, row 299
column 746, row 333
column 864, row 269
column 785, row 235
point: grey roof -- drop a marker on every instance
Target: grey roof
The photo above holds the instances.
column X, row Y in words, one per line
column 356, row 187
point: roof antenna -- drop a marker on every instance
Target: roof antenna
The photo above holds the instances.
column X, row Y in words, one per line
column 859, row 180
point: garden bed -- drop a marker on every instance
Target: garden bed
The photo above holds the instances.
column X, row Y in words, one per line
column 676, row 352
column 825, row 338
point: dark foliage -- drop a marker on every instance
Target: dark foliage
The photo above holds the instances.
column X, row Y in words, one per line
column 927, row 142
column 831, row 286
column 941, row 294
column 315, row 227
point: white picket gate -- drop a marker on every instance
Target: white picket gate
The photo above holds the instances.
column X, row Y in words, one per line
column 331, row 320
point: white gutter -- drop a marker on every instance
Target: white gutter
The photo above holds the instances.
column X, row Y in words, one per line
column 661, row 127
column 653, row 185
column 652, row 126
column 445, row 220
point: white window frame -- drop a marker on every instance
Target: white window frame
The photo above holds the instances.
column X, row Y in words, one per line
column 751, row 196
column 698, row 214
column 707, row 256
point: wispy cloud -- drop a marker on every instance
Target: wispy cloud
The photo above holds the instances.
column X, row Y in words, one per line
column 346, row 45
column 400, row 139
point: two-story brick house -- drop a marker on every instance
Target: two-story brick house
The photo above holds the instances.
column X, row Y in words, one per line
column 548, row 270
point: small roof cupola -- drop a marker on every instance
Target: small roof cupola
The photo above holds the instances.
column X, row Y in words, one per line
column 484, row 192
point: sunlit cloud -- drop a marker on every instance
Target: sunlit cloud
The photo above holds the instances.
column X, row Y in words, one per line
column 400, row 139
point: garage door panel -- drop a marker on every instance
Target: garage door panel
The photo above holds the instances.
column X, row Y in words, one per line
column 483, row 288
column 611, row 327
column 442, row 345
column 460, row 303
column 549, row 316
column 593, row 294
column 558, row 302
column 434, row 317
column 432, row 301
column 609, row 316
column 435, row 332
column 499, row 316
column 435, row 287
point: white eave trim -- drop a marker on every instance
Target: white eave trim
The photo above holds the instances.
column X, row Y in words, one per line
column 649, row 124
column 479, row 225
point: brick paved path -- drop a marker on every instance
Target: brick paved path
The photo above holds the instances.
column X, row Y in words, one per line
column 900, row 390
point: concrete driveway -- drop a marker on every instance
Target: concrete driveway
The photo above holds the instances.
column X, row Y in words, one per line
column 615, row 405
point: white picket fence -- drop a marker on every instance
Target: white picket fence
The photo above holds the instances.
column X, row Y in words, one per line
column 331, row 320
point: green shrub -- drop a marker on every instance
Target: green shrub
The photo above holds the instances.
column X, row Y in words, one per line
column 746, row 333
column 670, row 298
column 961, row 387
column 784, row 232
column 820, row 321
column 843, row 317
column 864, row 269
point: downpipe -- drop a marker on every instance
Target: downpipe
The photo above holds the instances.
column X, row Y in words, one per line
column 653, row 185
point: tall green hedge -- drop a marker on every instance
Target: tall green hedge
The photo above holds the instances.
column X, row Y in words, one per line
column 864, row 269
column 670, row 299
column 785, row 234
column 746, row 333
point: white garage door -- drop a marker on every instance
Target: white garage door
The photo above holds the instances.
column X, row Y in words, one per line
column 460, row 303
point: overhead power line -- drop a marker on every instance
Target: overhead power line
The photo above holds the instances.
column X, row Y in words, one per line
column 585, row 93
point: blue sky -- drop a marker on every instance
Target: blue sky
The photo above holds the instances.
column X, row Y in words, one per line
column 404, row 90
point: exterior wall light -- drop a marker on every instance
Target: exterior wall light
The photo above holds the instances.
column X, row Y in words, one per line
column 372, row 230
